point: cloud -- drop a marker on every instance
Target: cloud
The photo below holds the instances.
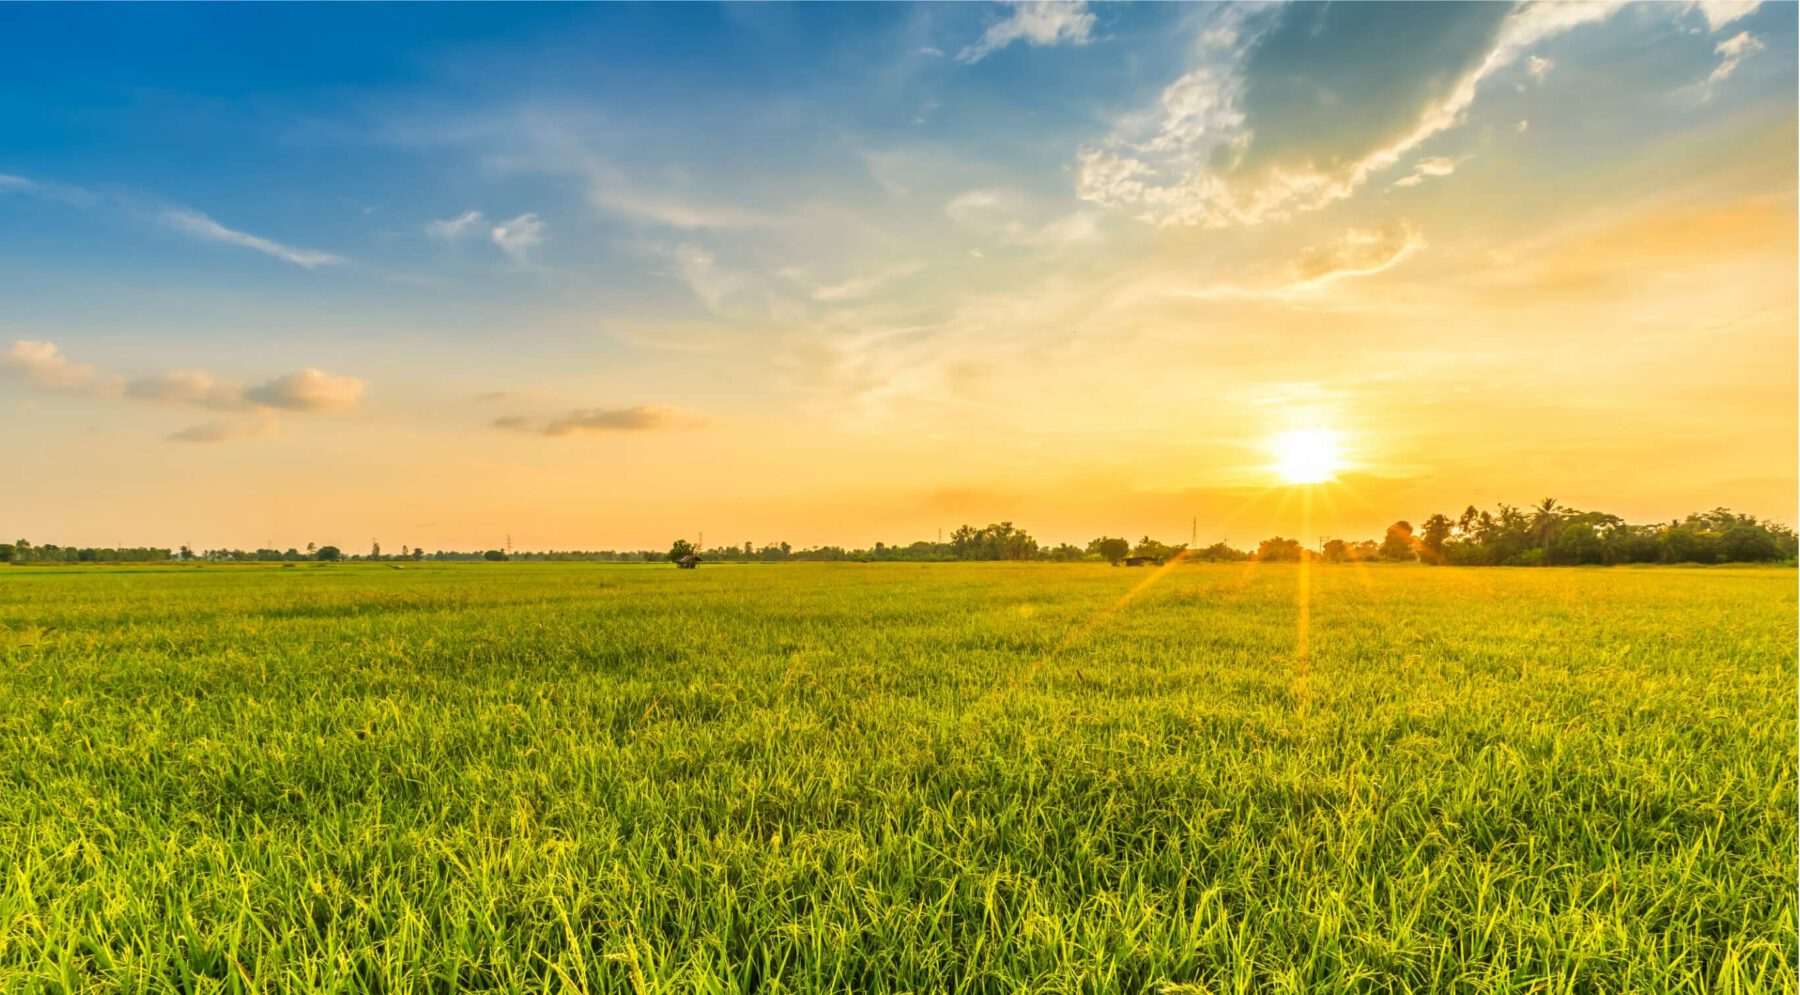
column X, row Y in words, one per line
column 1203, row 156
column 1732, row 51
column 1719, row 13
column 1357, row 252
column 192, row 222
column 1011, row 218
column 40, row 364
column 1037, row 23
column 519, row 236
column 43, row 366
column 196, row 387
column 611, row 190
column 862, row 286
column 1539, row 67
column 223, row 431
column 308, row 390
column 455, row 227
column 641, row 418
column 1426, row 169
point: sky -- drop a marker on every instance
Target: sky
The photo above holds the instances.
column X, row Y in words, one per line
column 604, row 276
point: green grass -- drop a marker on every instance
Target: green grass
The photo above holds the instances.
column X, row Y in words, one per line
column 871, row 778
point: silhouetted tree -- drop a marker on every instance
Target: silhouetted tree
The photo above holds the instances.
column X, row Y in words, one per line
column 1112, row 549
column 1397, row 545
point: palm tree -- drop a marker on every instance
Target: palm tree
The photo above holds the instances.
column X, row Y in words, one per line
column 1544, row 521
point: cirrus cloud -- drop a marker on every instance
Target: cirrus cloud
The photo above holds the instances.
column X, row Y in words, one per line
column 1204, row 157
column 1038, row 23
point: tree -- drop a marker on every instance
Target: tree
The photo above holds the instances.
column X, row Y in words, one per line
column 494, row 556
column 1155, row 550
column 1437, row 533
column 1745, row 543
column 418, row 553
column 1113, row 549
column 311, row 550
column 328, row 554
column 1279, row 550
column 1397, row 545
column 1336, row 551
column 1219, row 552
column 1545, row 522
column 681, row 548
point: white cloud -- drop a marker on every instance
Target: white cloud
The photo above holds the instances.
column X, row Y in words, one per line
column 1357, row 252
column 1011, row 218
column 308, row 390
column 1426, row 169
column 455, row 227
column 1732, row 51
column 1174, row 166
column 40, row 364
column 1037, row 23
column 1719, row 13
column 1538, row 66
column 192, row 222
column 519, row 236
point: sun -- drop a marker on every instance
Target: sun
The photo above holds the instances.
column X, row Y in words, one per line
column 1307, row 456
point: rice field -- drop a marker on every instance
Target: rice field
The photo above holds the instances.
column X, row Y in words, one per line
column 896, row 778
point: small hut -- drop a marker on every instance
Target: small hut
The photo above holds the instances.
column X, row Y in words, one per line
column 688, row 562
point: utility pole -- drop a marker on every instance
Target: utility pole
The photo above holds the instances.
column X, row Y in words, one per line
column 1194, row 534
column 509, row 544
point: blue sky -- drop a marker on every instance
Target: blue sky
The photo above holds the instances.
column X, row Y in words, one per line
column 882, row 266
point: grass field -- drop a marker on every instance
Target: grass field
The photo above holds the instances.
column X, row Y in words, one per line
column 925, row 778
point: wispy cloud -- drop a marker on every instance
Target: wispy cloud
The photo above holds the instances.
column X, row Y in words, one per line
column 224, row 430
column 1731, row 52
column 1357, row 252
column 1037, row 23
column 1184, row 162
column 519, row 236
column 584, row 421
column 455, row 227
column 185, row 220
column 192, row 222
column 1426, row 169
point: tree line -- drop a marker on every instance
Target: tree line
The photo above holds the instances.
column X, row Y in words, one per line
column 1545, row 534
column 1550, row 534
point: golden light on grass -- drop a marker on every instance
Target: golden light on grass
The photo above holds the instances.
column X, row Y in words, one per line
column 1307, row 456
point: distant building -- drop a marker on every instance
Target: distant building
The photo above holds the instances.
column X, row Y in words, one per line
column 688, row 562
column 1141, row 561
